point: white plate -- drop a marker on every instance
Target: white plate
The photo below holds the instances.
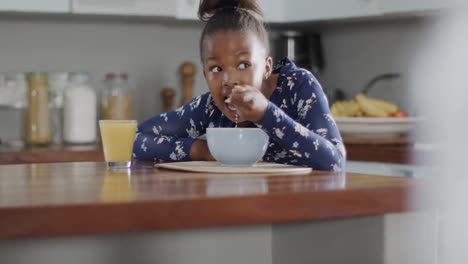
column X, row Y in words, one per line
column 376, row 127
column 215, row 167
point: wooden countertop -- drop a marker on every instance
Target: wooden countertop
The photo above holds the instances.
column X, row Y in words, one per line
column 357, row 151
column 51, row 154
column 389, row 153
column 63, row 199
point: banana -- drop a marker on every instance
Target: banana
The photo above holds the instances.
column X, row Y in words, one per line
column 345, row 108
column 363, row 106
column 384, row 105
column 375, row 107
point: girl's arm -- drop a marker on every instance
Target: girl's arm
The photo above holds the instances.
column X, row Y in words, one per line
column 312, row 139
column 172, row 136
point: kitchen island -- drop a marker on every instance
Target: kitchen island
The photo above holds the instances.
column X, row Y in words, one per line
column 162, row 216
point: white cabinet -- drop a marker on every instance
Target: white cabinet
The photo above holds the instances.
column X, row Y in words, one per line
column 273, row 10
column 42, row 6
column 162, row 8
column 187, row 9
column 310, row 10
column 403, row 6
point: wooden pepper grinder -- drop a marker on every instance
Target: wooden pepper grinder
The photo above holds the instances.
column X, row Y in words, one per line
column 167, row 95
column 187, row 71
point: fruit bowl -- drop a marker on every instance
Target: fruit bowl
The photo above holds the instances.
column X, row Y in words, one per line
column 376, row 127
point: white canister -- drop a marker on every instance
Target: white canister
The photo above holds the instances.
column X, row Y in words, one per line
column 80, row 113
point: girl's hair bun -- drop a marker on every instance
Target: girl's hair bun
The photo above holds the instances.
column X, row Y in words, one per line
column 209, row 8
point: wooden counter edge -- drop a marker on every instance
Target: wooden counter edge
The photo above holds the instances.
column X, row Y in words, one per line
column 145, row 216
column 51, row 156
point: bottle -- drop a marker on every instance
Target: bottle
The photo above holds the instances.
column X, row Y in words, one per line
column 167, row 96
column 79, row 113
column 116, row 97
column 37, row 115
column 58, row 81
column 187, row 72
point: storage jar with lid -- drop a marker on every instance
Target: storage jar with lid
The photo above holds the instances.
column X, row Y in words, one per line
column 116, row 97
column 37, row 115
column 80, row 113
column 58, row 81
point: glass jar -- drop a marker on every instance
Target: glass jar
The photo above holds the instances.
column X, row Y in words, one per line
column 21, row 88
column 79, row 113
column 37, row 116
column 58, row 81
column 15, row 90
column 116, row 101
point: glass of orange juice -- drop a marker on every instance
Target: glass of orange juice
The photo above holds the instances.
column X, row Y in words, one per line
column 117, row 141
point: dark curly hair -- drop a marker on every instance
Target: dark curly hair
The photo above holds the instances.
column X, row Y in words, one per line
column 235, row 15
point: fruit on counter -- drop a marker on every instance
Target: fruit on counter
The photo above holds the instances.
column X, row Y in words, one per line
column 346, row 109
column 399, row 114
column 365, row 106
column 375, row 107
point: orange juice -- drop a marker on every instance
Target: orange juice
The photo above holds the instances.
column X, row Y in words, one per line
column 117, row 141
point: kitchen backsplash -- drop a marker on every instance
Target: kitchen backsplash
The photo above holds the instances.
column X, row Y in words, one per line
column 151, row 53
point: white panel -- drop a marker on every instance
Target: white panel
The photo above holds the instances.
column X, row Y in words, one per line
column 187, row 9
column 226, row 245
column 49, row 6
column 273, row 10
column 411, row 237
column 310, row 10
column 125, row 7
column 397, row 6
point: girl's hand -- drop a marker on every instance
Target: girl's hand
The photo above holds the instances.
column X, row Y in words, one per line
column 250, row 103
column 199, row 151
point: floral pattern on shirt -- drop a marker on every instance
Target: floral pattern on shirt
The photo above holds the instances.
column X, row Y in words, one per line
column 298, row 121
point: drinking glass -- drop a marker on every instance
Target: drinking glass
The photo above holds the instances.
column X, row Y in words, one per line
column 117, row 138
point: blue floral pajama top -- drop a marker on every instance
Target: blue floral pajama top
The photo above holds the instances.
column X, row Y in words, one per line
column 298, row 121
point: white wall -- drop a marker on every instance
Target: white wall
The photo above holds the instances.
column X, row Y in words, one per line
column 150, row 51
column 355, row 52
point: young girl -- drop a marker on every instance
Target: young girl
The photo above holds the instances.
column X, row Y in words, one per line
column 285, row 101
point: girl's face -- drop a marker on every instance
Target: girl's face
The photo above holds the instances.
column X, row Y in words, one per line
column 233, row 58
